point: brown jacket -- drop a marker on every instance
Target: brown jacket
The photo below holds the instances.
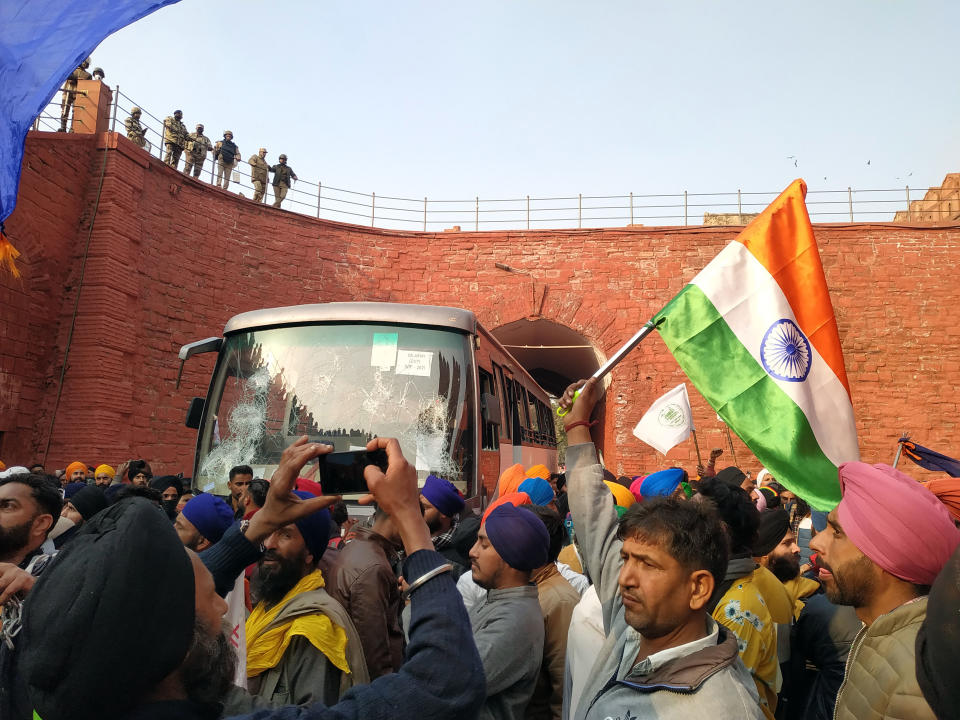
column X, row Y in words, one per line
column 557, row 598
column 363, row 581
column 881, row 678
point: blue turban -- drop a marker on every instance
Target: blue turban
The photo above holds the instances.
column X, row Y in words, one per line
column 538, row 489
column 443, row 495
column 315, row 528
column 210, row 515
column 71, row 489
column 662, row 482
column 519, row 537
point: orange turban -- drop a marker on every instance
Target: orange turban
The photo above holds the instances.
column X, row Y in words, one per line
column 2, row 466
column 516, row 499
column 621, row 495
column 73, row 467
column 947, row 491
column 510, row 479
column 539, row 471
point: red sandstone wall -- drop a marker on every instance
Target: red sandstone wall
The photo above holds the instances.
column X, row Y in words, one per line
column 171, row 259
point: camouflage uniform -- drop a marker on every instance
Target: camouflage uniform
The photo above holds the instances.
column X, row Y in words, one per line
column 70, row 92
column 258, row 174
column 283, row 174
column 174, row 137
column 225, row 166
column 135, row 131
column 197, row 146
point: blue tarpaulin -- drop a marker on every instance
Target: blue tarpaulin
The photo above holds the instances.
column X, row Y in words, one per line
column 41, row 43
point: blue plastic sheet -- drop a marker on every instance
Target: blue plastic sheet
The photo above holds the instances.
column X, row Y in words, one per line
column 41, row 43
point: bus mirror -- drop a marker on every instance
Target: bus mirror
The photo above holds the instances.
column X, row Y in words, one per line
column 211, row 344
column 194, row 413
column 491, row 408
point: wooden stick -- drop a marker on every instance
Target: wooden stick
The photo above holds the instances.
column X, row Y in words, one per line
column 730, row 439
column 697, row 446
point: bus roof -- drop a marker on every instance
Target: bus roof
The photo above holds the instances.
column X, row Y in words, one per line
column 372, row 312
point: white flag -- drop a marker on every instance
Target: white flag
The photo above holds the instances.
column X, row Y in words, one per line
column 668, row 422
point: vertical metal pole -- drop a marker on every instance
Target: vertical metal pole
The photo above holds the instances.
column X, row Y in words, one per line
column 319, row 189
column 896, row 458
column 424, row 214
column 909, row 209
column 116, row 102
column 940, row 203
column 476, row 215
column 739, row 207
column 631, row 208
column 685, row 207
column 579, row 210
column 373, row 208
column 850, row 201
column 528, row 212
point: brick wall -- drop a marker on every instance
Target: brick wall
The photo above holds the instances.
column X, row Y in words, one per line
column 171, row 259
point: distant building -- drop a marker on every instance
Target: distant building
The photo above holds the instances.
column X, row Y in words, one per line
column 939, row 204
column 728, row 218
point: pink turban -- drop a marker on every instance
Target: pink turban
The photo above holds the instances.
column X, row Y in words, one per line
column 895, row 521
column 635, row 488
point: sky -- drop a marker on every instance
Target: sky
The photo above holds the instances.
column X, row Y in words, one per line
column 501, row 99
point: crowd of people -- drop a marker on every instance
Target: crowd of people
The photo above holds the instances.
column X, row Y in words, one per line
column 579, row 596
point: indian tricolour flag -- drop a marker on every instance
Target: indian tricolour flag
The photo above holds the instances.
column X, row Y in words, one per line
column 756, row 334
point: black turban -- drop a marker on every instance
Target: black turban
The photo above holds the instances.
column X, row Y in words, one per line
column 89, row 501
column 166, row 481
column 773, row 526
column 732, row 475
column 110, row 617
column 938, row 642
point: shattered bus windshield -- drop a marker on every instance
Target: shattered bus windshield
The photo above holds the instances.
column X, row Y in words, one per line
column 341, row 385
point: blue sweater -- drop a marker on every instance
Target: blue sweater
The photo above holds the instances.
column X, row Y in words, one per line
column 441, row 678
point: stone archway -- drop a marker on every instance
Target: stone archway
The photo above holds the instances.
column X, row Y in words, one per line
column 554, row 354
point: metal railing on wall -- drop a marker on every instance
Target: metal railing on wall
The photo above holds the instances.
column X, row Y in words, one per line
column 533, row 212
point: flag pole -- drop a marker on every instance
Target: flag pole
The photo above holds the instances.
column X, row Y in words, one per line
column 697, row 446
column 896, row 458
column 730, row 440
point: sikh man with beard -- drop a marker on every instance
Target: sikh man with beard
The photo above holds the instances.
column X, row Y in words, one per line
column 143, row 615
column 453, row 535
column 655, row 571
column 507, row 624
column 302, row 646
column 883, row 547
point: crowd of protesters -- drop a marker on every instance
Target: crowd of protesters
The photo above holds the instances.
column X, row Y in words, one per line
column 572, row 596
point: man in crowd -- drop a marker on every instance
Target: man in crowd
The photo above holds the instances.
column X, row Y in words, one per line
column 557, row 599
column 70, row 92
column 363, row 581
column 259, row 167
column 81, row 506
column 227, row 155
column 197, row 145
column 237, row 482
column 508, row 625
column 174, row 137
column 453, row 535
column 76, row 472
column 203, row 521
column 135, row 131
column 139, row 473
column 655, row 572
column 103, row 475
column 882, row 549
column 29, row 507
column 170, row 488
column 283, row 175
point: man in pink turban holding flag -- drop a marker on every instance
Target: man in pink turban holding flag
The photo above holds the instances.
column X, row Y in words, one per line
column 883, row 547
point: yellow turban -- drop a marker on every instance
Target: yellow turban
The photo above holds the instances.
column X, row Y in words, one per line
column 621, row 495
column 539, row 471
column 105, row 469
column 73, row 467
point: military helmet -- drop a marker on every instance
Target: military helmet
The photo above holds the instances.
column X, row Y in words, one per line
column 135, row 110
column 228, row 132
column 283, row 157
column 199, row 126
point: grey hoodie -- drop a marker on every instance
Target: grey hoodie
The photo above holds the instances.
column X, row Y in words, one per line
column 707, row 684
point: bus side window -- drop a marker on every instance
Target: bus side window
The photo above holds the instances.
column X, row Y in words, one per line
column 489, row 434
column 534, row 413
column 520, row 403
column 506, row 428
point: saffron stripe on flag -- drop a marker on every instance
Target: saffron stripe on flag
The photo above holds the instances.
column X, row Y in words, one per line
column 749, row 307
column 749, row 400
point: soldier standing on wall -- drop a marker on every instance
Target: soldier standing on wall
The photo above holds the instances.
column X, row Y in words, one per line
column 283, row 177
column 70, row 92
column 196, row 146
column 258, row 174
column 135, row 131
column 226, row 153
column 174, row 137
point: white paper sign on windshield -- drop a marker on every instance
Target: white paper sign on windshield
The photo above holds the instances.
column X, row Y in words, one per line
column 383, row 354
column 414, row 362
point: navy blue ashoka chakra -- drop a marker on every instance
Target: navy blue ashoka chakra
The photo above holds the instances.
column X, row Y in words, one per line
column 785, row 352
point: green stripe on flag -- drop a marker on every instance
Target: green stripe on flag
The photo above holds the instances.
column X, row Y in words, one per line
column 767, row 420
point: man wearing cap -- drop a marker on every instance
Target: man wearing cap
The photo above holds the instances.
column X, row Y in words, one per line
column 174, row 137
column 363, row 581
column 259, row 167
column 143, row 617
column 654, row 571
column 507, row 624
column 283, row 177
column 882, row 549
column 227, row 155
column 197, row 145
column 203, row 521
column 135, row 131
